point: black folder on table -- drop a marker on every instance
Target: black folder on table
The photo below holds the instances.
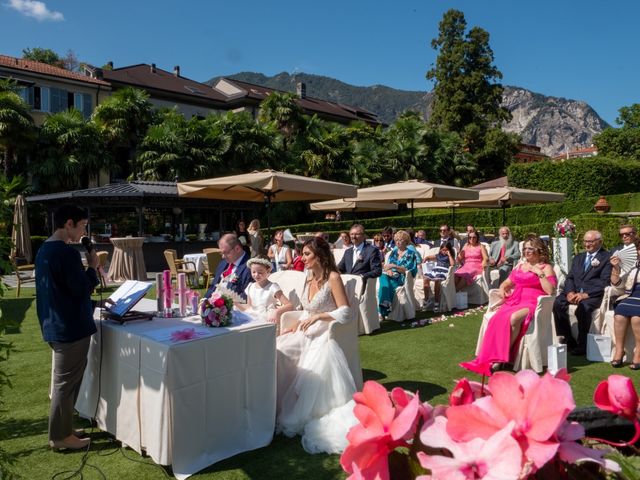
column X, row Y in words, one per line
column 119, row 305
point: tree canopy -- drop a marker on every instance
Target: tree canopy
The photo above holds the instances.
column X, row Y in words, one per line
column 623, row 142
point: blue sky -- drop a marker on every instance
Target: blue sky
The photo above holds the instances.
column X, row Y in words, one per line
column 583, row 50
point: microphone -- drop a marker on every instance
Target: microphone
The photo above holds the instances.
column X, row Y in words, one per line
column 86, row 243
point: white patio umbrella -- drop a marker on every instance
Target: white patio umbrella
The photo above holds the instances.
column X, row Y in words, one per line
column 500, row 197
column 352, row 205
column 20, row 234
column 267, row 186
column 414, row 190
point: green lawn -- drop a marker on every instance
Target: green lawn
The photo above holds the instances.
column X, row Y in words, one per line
column 423, row 358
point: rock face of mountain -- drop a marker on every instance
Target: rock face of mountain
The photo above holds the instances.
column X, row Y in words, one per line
column 554, row 124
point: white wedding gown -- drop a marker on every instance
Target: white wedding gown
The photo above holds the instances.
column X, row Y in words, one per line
column 315, row 385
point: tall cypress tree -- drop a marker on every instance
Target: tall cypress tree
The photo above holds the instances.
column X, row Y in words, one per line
column 467, row 94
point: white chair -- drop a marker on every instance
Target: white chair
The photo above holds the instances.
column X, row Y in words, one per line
column 532, row 351
column 368, row 320
column 608, row 329
column 478, row 291
column 338, row 253
column 292, row 283
column 345, row 334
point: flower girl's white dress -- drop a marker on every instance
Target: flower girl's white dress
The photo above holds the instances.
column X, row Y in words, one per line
column 315, row 385
column 263, row 300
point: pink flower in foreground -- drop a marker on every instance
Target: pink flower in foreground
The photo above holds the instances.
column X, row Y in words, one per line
column 617, row 395
column 497, row 457
column 466, row 392
column 570, row 451
column 537, row 406
column 381, row 429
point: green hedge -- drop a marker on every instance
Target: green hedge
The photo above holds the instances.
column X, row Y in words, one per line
column 578, row 178
column 521, row 220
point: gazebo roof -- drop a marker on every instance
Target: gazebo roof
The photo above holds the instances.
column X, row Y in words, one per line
column 135, row 193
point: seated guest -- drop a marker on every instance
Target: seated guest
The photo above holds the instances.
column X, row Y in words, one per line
column 361, row 258
column 447, row 235
column 444, row 260
column 280, row 253
column 401, row 260
column 528, row 281
column 344, row 240
column 265, row 300
column 421, row 238
column 232, row 271
column 378, row 242
column 504, row 253
column 387, row 236
column 297, row 264
column 628, row 235
column 473, row 258
column 627, row 309
column 584, row 286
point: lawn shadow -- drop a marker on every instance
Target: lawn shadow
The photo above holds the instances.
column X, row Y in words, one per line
column 14, row 311
column 12, row 427
column 427, row 390
column 297, row 463
column 368, row 374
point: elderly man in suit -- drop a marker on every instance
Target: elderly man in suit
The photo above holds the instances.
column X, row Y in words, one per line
column 628, row 235
column 504, row 253
column 360, row 259
column 584, row 286
column 232, row 271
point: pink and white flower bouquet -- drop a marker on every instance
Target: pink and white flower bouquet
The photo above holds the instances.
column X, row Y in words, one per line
column 564, row 228
column 216, row 311
column 516, row 427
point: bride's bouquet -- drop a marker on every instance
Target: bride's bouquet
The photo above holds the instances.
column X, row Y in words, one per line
column 564, row 228
column 217, row 310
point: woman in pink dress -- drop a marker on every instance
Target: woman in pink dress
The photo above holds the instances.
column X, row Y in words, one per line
column 473, row 258
column 520, row 292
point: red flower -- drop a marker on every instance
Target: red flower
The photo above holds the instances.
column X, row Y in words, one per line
column 218, row 302
column 617, row 395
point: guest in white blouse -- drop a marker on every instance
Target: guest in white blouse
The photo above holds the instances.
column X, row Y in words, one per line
column 279, row 253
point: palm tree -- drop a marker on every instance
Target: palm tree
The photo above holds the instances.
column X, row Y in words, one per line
column 180, row 148
column 70, row 152
column 283, row 111
column 124, row 119
column 406, row 153
column 16, row 126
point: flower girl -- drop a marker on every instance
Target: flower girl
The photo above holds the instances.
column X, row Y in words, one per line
column 263, row 296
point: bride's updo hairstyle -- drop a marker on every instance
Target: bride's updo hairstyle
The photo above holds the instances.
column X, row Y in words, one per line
column 320, row 248
column 540, row 247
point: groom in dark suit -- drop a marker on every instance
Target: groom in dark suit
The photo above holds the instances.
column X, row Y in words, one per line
column 361, row 258
column 232, row 271
column 589, row 275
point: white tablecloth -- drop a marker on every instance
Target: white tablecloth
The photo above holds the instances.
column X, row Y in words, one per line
column 198, row 259
column 188, row 404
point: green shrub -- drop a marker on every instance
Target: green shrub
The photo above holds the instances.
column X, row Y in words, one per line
column 578, row 178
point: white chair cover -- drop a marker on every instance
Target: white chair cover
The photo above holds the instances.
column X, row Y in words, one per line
column 404, row 302
column 345, row 334
column 292, row 283
column 532, row 351
column 338, row 253
column 368, row 320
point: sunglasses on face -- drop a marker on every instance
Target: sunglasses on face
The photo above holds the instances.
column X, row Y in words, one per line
column 626, row 234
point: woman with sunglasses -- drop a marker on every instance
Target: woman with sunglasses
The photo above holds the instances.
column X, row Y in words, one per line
column 473, row 258
column 528, row 280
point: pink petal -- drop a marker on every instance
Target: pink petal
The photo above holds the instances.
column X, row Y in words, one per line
column 469, row 421
column 544, row 417
column 406, row 421
column 442, row 467
column 376, row 397
column 540, row 452
column 369, row 420
column 370, row 457
column 623, row 395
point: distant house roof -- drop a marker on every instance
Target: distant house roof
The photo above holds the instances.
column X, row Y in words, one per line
column 152, row 78
column 323, row 108
column 29, row 66
column 584, row 152
column 496, row 182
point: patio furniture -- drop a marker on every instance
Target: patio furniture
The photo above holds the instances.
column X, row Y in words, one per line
column 177, row 266
column 128, row 260
column 25, row 273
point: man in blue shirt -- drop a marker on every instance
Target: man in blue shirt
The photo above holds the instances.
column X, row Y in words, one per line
column 65, row 313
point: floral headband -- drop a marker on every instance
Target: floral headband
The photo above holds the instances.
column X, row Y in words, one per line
column 260, row 261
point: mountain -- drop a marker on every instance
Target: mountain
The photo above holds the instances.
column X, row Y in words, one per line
column 554, row 124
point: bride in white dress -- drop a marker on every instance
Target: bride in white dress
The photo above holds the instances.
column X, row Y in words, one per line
column 315, row 385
